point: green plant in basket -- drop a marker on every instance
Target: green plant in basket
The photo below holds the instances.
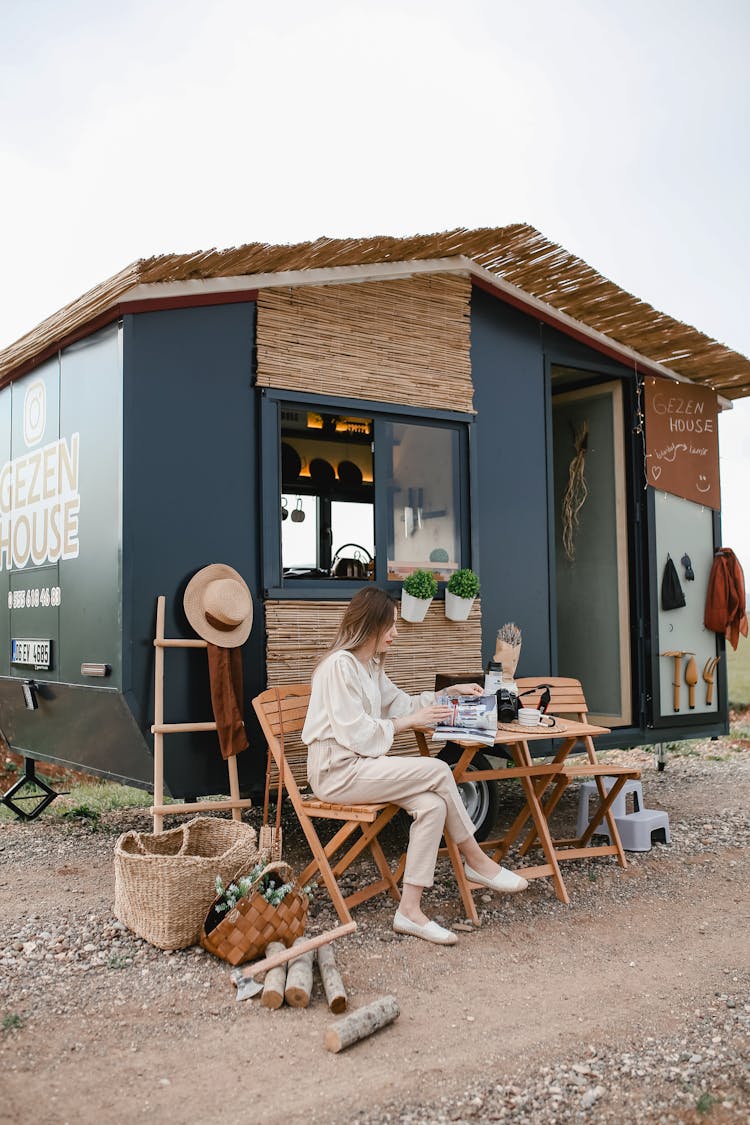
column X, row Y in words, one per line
column 463, row 583
column 421, row 584
column 269, row 887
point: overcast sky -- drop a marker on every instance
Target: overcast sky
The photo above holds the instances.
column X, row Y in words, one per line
column 616, row 127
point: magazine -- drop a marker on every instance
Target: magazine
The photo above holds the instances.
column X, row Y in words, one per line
column 474, row 719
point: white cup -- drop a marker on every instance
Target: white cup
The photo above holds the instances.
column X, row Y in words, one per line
column 532, row 717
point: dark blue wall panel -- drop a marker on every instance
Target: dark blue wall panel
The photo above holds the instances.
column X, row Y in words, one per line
column 568, row 352
column 190, row 498
column 511, row 482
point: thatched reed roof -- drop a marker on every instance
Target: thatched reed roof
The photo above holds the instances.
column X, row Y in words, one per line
column 517, row 254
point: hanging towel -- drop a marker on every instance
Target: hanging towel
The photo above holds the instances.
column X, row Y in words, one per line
column 225, row 674
column 725, row 597
column 672, row 596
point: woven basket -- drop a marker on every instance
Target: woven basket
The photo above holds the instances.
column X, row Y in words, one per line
column 164, row 883
column 246, row 931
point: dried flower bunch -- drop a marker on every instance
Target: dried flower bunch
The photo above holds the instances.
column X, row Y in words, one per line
column 576, row 492
column 509, row 634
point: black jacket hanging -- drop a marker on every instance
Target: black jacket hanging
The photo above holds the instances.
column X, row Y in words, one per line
column 672, row 596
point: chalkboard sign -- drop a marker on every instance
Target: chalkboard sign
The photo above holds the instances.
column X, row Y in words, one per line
column 682, row 440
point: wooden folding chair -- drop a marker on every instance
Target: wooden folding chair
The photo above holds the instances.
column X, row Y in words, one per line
column 567, row 700
column 281, row 712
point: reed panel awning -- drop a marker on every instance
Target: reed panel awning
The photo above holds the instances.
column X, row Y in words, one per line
column 517, row 254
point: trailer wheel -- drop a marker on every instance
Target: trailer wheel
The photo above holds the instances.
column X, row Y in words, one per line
column 481, row 798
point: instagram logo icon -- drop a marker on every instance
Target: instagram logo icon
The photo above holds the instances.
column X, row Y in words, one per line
column 34, row 413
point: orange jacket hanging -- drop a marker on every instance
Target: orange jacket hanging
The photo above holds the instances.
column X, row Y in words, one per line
column 725, row 597
column 225, row 673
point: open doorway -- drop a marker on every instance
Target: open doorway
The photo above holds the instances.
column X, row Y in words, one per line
column 591, row 544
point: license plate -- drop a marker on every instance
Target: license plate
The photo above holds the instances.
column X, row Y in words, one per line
column 34, row 653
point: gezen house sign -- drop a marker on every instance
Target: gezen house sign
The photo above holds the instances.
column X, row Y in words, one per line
column 682, row 440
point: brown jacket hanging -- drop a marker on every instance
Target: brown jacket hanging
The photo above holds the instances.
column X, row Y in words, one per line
column 225, row 674
column 725, row 598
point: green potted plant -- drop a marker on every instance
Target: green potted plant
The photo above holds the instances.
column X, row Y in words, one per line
column 462, row 588
column 418, row 590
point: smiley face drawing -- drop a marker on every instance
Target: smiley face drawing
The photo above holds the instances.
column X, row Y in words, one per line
column 703, row 484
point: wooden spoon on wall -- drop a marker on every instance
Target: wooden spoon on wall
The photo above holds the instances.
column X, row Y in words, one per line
column 691, row 679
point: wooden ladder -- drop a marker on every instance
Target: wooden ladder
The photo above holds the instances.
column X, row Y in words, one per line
column 159, row 810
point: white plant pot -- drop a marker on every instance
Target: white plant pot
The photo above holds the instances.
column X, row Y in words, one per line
column 414, row 609
column 457, row 609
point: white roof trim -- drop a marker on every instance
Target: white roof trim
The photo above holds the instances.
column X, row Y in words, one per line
column 389, row 271
column 329, row 275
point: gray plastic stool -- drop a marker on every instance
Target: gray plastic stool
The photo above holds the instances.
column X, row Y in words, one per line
column 589, row 791
column 637, row 829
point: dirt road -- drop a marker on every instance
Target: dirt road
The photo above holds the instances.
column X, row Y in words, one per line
column 631, row 1004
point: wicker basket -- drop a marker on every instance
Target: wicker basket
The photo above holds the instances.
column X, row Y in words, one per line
column 164, row 883
column 253, row 923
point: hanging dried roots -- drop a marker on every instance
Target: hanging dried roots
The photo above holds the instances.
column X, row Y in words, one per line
column 576, row 492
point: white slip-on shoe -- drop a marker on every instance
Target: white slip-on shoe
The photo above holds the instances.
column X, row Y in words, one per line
column 505, row 881
column 431, row 932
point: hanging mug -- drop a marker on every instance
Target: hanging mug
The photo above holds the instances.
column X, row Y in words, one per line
column 298, row 515
column 284, row 509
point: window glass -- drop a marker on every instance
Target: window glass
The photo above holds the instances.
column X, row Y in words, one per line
column 327, row 493
column 299, row 521
column 332, row 505
column 424, row 500
column 352, row 524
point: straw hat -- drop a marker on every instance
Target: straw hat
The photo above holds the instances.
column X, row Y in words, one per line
column 219, row 606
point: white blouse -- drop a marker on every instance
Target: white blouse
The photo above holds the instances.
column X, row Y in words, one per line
column 354, row 705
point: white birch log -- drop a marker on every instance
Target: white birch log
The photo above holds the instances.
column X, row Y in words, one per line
column 275, row 982
column 299, row 977
column 331, row 978
column 361, row 1023
column 258, row 967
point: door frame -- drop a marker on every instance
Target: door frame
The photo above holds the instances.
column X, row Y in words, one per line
column 625, row 717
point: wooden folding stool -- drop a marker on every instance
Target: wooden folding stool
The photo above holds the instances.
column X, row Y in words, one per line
column 567, row 699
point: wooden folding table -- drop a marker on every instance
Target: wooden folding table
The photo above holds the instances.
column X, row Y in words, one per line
column 534, row 779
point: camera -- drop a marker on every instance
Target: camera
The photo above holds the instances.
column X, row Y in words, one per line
column 507, row 706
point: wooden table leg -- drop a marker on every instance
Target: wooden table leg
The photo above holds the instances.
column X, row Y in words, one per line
column 560, row 784
column 545, row 838
column 464, row 887
column 533, row 791
column 606, row 800
column 614, row 834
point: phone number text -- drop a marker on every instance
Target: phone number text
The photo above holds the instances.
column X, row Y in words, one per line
column 31, row 599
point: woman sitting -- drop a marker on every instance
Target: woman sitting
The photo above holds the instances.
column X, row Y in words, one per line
column 354, row 714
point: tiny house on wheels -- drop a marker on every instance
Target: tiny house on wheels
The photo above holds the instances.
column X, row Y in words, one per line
column 327, row 414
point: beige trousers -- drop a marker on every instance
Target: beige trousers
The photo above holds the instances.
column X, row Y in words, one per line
column 423, row 786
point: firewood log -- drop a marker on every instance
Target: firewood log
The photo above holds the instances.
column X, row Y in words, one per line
column 273, row 987
column 331, row 978
column 258, row 967
column 299, row 978
column 361, row 1023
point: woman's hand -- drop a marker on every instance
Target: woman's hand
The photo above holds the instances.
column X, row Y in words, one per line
column 428, row 716
column 462, row 689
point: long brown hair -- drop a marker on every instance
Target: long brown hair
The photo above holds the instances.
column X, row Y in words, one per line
column 370, row 612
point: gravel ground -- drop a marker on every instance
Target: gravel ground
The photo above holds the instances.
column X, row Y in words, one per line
column 78, row 990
